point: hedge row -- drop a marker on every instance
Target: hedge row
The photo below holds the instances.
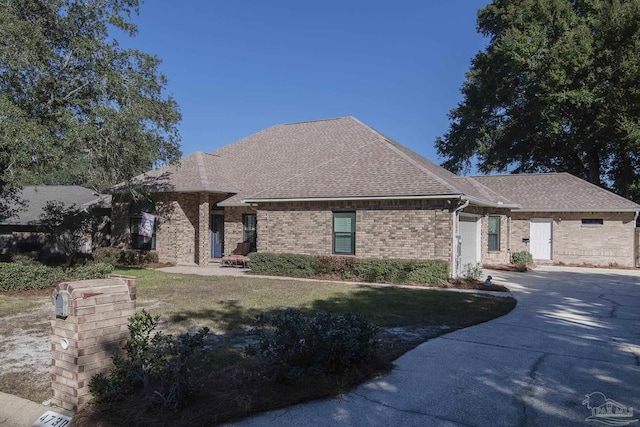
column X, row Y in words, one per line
column 115, row 256
column 21, row 277
column 370, row 270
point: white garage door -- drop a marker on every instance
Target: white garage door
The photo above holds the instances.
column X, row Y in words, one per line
column 540, row 238
column 469, row 241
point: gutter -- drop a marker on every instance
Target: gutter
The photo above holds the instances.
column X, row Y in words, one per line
column 454, row 235
column 635, row 210
column 459, row 196
column 357, row 198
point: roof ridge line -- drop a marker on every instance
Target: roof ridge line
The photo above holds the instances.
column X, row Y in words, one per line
column 388, row 143
column 202, row 170
column 315, row 121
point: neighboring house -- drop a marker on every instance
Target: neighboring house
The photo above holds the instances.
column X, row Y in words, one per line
column 23, row 232
column 339, row 187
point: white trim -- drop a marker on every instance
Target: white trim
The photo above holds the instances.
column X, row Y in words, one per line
column 473, row 200
column 336, row 199
column 576, row 210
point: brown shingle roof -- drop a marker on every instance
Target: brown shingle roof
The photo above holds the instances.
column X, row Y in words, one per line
column 335, row 158
column 343, row 158
column 555, row 192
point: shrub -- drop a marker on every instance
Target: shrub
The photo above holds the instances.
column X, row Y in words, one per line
column 91, row 271
column 116, row 256
column 339, row 265
column 293, row 265
column 300, row 346
column 472, row 271
column 20, row 277
column 403, row 271
column 522, row 259
column 106, row 255
column 157, row 363
column 370, row 270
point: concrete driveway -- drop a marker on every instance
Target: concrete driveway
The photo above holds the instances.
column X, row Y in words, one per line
column 575, row 331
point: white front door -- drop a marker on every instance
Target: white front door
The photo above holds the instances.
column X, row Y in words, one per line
column 469, row 242
column 540, row 238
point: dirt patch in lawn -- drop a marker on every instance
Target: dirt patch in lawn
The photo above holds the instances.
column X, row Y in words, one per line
column 25, row 350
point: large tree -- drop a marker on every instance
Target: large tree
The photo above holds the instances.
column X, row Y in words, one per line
column 556, row 89
column 75, row 106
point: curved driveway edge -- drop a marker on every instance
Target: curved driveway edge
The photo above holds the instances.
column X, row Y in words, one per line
column 575, row 331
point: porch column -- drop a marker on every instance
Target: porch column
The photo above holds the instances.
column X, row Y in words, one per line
column 203, row 236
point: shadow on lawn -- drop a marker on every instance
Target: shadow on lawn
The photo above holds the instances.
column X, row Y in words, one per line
column 386, row 307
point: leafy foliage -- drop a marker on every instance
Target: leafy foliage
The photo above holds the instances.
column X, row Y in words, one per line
column 522, row 259
column 77, row 108
column 156, row 363
column 472, row 271
column 556, row 89
column 369, row 270
column 118, row 256
column 300, row 346
column 68, row 226
column 21, row 277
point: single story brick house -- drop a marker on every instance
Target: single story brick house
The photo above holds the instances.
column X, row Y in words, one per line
column 339, row 187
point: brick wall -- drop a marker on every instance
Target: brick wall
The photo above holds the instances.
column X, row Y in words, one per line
column 183, row 230
column 233, row 233
column 411, row 229
column 637, row 246
column 575, row 243
column 83, row 343
column 504, row 254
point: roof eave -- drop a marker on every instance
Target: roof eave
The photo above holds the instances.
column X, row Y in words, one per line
column 579, row 210
column 350, row 198
column 485, row 203
column 180, row 190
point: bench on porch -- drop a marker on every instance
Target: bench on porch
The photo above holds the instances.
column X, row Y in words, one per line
column 237, row 258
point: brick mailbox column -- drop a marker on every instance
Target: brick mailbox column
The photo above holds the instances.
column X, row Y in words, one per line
column 89, row 325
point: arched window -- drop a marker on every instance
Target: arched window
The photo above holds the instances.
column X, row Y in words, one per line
column 142, row 225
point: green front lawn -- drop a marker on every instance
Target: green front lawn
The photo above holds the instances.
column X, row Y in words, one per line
column 228, row 304
column 231, row 385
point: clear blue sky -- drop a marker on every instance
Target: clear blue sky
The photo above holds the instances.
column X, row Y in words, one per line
column 237, row 67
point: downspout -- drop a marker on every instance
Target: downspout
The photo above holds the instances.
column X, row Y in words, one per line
column 454, row 237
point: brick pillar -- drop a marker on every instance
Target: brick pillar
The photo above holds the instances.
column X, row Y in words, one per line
column 203, row 234
column 89, row 324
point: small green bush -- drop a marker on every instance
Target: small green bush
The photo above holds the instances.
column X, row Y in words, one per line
column 339, row 265
column 90, row 271
column 157, row 363
column 403, row 271
column 127, row 257
column 107, row 255
column 522, row 259
column 21, row 277
column 300, row 346
column 472, row 271
column 293, row 265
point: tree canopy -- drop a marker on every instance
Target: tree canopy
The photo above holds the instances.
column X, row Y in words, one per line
column 556, row 89
column 75, row 106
